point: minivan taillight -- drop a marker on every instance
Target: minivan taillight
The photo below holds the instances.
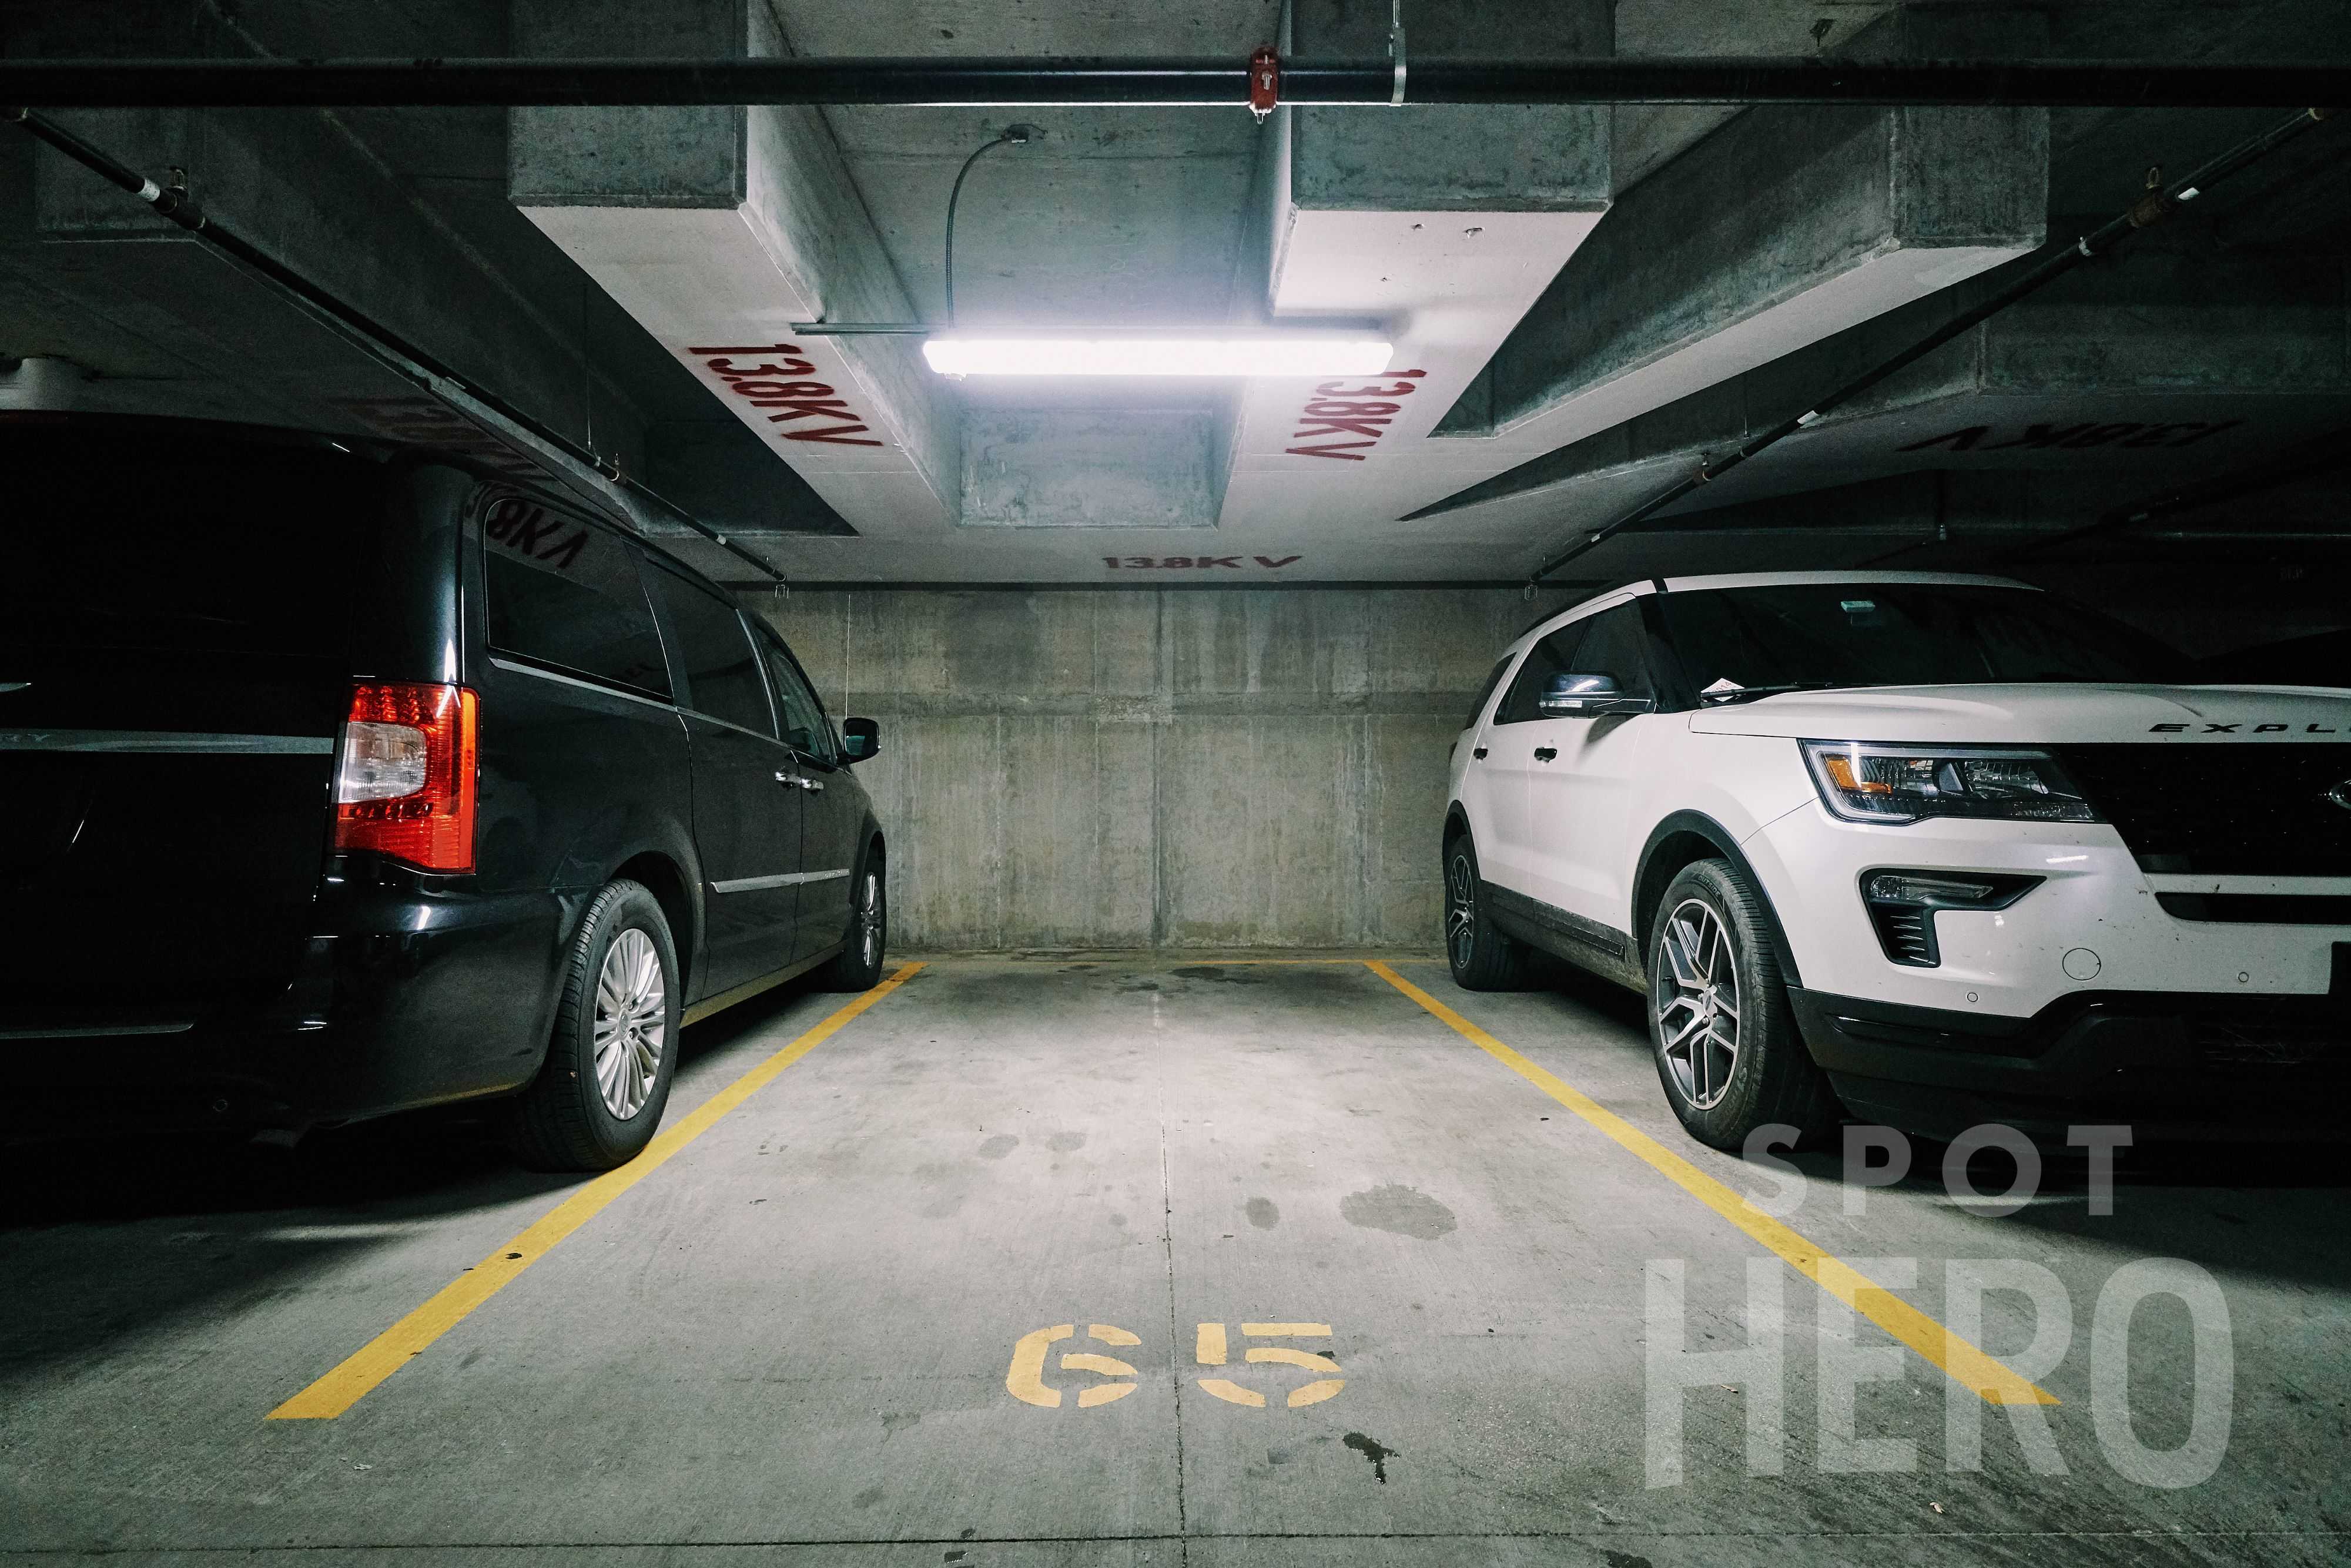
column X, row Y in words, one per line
column 405, row 782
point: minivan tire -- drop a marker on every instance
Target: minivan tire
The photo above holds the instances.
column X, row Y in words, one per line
column 567, row 1121
column 857, row 966
column 1482, row 957
column 1711, row 936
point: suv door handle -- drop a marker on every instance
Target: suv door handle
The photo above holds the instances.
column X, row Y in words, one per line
column 1546, row 753
column 1479, row 754
column 800, row 782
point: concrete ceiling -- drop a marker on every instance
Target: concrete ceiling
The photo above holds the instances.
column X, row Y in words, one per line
column 1598, row 298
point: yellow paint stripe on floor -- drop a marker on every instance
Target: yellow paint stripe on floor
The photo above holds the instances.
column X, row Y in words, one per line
column 1959, row 1360
column 391, row 1350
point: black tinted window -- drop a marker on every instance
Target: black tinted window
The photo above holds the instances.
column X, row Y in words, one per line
column 1900, row 635
column 805, row 727
column 1485, row 693
column 714, row 652
column 1619, row 645
column 143, row 540
column 1551, row 656
column 565, row 594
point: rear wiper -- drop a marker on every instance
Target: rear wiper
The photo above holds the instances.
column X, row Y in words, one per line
column 1741, row 694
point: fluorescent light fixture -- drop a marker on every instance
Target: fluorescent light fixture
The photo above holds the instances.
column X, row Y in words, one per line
column 1113, row 352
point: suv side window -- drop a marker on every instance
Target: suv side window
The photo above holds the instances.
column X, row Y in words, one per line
column 806, row 729
column 1619, row 645
column 1554, row 655
column 714, row 652
column 1486, row 694
column 566, row 594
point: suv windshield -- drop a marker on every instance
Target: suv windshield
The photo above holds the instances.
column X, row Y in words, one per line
column 1731, row 640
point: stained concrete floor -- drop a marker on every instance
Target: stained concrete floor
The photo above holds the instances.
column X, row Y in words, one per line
column 790, row 1344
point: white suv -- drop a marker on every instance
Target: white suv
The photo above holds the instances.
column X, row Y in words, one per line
column 1945, row 849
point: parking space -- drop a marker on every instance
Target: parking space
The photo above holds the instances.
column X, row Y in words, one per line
column 1075, row 1260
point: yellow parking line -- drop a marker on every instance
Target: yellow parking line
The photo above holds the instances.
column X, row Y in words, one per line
column 390, row 1351
column 1963, row 1363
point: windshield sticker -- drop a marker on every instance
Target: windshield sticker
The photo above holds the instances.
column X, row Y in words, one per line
column 1860, row 606
column 1720, row 686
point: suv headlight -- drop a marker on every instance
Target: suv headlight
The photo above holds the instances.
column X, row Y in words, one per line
column 1864, row 782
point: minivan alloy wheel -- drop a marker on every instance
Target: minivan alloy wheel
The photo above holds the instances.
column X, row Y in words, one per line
column 1695, row 999
column 632, row 1023
column 869, row 920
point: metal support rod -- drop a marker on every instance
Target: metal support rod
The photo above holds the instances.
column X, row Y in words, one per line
column 2149, row 210
column 581, row 468
column 1209, row 81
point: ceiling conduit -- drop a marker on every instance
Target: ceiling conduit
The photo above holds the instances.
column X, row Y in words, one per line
column 1203, row 82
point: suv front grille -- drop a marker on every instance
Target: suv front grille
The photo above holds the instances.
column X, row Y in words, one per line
column 2256, row 810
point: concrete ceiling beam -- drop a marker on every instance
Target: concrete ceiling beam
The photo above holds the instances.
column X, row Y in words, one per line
column 1443, row 221
column 1786, row 227
column 2168, row 360
column 716, row 228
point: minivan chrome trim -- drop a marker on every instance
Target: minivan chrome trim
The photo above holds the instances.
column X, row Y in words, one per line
column 782, row 879
column 599, row 688
column 165, row 741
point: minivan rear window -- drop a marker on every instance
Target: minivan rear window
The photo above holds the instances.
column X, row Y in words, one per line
column 200, row 546
column 565, row 593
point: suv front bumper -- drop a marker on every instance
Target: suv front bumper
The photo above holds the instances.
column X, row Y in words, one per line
column 2169, row 1065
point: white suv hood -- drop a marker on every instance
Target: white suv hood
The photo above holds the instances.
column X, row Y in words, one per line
column 2038, row 715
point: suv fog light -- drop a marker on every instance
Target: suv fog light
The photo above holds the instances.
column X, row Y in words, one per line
column 1902, row 905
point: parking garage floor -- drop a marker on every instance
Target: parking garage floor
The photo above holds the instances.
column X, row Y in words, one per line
column 1348, row 1267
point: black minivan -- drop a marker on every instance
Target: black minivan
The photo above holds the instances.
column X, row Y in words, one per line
column 337, row 781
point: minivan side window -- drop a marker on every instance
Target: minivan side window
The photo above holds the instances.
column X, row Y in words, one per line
column 714, row 653
column 805, row 727
column 566, row 594
column 1555, row 654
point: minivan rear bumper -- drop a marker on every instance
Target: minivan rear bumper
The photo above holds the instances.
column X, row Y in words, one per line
column 2169, row 1065
column 409, row 996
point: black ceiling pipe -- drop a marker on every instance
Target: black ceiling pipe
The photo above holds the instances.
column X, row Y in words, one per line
column 1209, row 81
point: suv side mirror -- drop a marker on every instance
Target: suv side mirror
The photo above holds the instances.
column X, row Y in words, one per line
column 1590, row 696
column 860, row 740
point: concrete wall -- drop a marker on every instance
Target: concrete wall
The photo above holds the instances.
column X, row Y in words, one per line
column 1180, row 768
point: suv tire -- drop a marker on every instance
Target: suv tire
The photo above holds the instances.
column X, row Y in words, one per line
column 583, row 1112
column 1482, row 957
column 1726, row 1044
column 857, row 966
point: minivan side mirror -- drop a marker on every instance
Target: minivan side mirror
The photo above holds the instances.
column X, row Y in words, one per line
column 1588, row 696
column 860, row 740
